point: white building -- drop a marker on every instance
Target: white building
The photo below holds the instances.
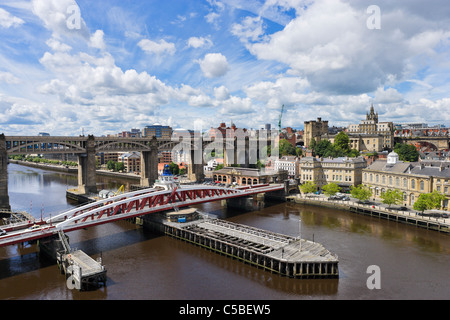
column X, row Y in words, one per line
column 288, row 163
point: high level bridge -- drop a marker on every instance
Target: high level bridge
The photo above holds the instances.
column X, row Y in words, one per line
column 236, row 151
column 124, row 206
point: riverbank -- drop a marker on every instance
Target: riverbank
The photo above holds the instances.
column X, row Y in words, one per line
column 377, row 210
column 74, row 170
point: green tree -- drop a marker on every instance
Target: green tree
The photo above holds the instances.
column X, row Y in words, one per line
column 341, row 142
column 428, row 201
column 313, row 144
column 218, row 167
column 119, row 166
column 308, row 187
column 110, row 165
column 353, row 153
column 331, row 189
column 406, row 152
column 392, row 196
column 323, row 147
column 286, row 148
column 174, row 168
column 361, row 192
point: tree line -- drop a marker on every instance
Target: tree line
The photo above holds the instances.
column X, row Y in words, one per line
column 426, row 201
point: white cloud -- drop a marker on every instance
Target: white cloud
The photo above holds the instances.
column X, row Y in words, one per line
column 57, row 45
column 221, row 93
column 7, row 20
column 198, row 42
column 9, row 78
column 330, row 44
column 97, row 41
column 251, row 29
column 56, row 13
column 214, row 65
column 157, row 48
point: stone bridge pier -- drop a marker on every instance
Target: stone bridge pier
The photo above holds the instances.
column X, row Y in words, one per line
column 149, row 165
column 4, row 197
column 87, row 182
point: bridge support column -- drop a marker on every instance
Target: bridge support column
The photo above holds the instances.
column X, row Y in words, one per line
column 195, row 169
column 86, row 168
column 4, row 197
column 149, row 165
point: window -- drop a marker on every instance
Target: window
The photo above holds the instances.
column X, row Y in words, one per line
column 405, row 183
column 397, row 182
column 422, row 185
column 413, row 184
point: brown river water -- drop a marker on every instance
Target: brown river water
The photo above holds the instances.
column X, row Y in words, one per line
column 413, row 263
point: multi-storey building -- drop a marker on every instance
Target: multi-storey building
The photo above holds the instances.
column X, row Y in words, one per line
column 343, row 171
column 411, row 178
column 131, row 161
column 157, row 130
column 290, row 164
column 372, row 129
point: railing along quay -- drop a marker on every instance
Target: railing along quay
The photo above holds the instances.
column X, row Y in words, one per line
column 391, row 214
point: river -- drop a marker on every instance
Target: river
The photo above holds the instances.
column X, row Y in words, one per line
column 413, row 263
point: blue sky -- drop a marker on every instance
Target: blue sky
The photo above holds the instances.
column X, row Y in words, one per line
column 182, row 63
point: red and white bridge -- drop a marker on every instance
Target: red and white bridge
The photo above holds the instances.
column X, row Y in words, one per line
column 124, row 206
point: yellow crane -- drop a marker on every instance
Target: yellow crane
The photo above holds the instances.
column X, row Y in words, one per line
column 120, row 190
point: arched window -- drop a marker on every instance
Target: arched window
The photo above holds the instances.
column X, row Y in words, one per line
column 422, row 185
column 405, row 183
column 255, row 181
column 413, row 184
column 397, row 181
column 244, row 181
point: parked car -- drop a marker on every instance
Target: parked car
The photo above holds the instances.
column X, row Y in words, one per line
column 403, row 208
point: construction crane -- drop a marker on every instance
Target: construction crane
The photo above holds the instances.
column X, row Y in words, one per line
column 281, row 116
column 121, row 190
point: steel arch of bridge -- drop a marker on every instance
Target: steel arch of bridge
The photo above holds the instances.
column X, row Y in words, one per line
column 141, row 204
column 129, row 205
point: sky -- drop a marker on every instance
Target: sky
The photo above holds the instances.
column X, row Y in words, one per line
column 101, row 67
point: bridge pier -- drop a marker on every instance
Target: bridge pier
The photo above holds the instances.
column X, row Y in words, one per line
column 86, row 168
column 195, row 170
column 4, row 197
column 149, row 165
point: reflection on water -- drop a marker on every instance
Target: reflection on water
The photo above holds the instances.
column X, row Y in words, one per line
column 142, row 265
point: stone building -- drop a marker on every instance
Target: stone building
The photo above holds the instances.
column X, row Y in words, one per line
column 314, row 130
column 411, row 178
column 247, row 176
column 343, row 171
column 371, row 129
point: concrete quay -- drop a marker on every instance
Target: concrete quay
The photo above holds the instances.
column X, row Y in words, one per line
column 277, row 253
column 376, row 210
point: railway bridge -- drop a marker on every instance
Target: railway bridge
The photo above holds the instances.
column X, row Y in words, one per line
column 240, row 149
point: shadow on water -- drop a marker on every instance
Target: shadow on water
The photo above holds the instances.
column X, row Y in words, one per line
column 259, row 276
column 30, row 259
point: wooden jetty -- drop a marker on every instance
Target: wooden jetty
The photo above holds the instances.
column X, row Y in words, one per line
column 281, row 254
